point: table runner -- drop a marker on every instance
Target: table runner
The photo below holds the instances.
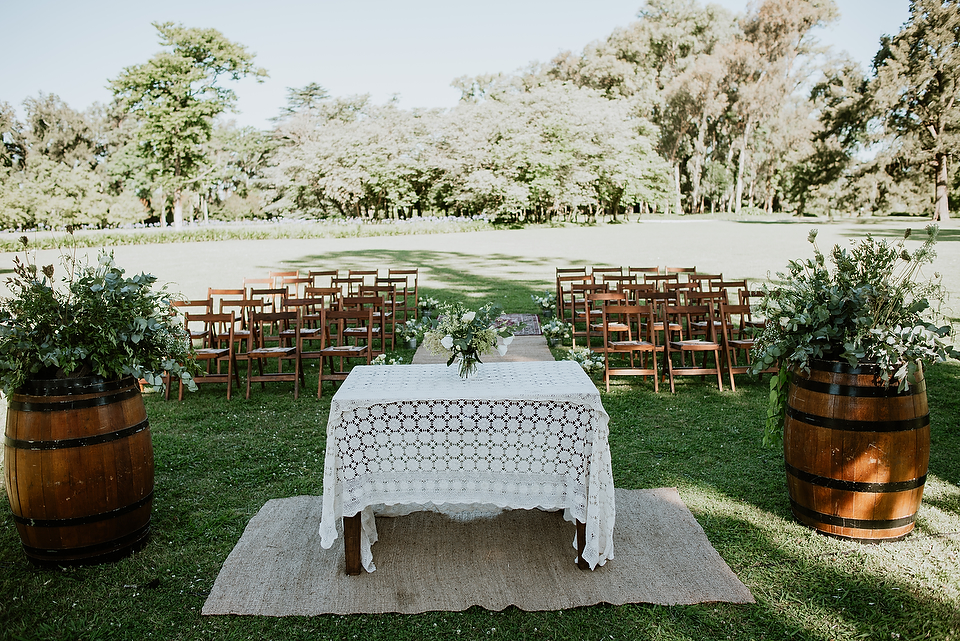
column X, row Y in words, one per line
column 516, row 435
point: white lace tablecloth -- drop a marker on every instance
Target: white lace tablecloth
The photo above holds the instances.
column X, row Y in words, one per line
column 515, row 435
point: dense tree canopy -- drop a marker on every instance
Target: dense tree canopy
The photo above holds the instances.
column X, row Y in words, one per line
column 688, row 109
column 175, row 97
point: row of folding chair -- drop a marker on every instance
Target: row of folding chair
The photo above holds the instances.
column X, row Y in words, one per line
column 702, row 339
column 337, row 338
column 578, row 308
column 297, row 284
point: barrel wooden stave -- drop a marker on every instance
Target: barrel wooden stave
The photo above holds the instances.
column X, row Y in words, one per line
column 80, row 503
column 844, row 478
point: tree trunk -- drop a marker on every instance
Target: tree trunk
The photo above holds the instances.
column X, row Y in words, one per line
column 741, row 163
column 177, row 209
column 676, row 181
column 941, row 208
column 699, row 151
column 162, row 200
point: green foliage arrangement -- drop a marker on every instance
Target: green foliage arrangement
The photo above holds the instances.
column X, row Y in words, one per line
column 99, row 323
column 875, row 306
column 466, row 334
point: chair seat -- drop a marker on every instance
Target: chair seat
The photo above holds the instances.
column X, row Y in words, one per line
column 694, row 344
column 304, row 332
column 703, row 324
column 625, row 345
column 272, row 351
column 611, row 327
column 209, row 353
column 357, row 331
column 674, row 327
column 344, row 349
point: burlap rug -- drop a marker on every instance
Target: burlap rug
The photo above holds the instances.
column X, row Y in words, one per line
column 430, row 562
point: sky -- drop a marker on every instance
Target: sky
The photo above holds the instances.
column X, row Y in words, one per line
column 411, row 49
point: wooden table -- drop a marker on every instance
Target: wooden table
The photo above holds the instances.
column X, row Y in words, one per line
column 515, row 435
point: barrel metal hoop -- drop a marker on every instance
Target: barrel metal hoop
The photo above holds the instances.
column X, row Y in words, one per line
column 862, row 391
column 60, row 406
column 855, row 486
column 85, row 520
column 905, row 425
column 842, row 521
column 68, row 386
column 83, row 441
column 88, row 553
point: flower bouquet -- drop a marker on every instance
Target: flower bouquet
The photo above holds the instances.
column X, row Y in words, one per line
column 466, row 334
column 591, row 362
column 428, row 305
column 547, row 302
column 411, row 332
column 556, row 331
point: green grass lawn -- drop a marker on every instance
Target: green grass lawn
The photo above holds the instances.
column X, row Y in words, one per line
column 217, row 463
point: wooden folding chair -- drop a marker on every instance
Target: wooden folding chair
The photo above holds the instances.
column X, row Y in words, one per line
column 375, row 305
column 209, row 351
column 335, row 345
column 582, row 313
column 594, row 307
column 686, row 271
column 295, row 285
column 242, row 310
column 279, row 276
column 704, row 282
column 349, row 285
column 410, row 294
column 565, row 294
column 737, row 336
column 258, row 350
column 640, row 271
column 323, row 277
column 328, row 297
column 615, row 281
column 199, row 306
column 660, row 279
column 681, row 315
column 388, row 312
column 616, row 319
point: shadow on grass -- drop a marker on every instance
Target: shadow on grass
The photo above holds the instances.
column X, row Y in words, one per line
column 826, row 588
column 455, row 273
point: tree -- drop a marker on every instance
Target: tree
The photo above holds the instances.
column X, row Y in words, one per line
column 307, row 99
column 60, row 133
column 13, row 146
column 763, row 65
column 917, row 74
column 175, row 97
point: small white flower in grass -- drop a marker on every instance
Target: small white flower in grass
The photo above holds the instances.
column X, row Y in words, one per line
column 447, row 341
column 468, row 317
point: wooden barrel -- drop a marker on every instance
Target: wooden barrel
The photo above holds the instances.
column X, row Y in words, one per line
column 856, row 452
column 78, row 464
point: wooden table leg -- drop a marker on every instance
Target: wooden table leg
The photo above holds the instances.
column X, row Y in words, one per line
column 581, row 544
column 351, row 543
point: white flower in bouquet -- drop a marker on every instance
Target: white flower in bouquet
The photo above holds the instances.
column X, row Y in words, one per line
column 466, row 335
